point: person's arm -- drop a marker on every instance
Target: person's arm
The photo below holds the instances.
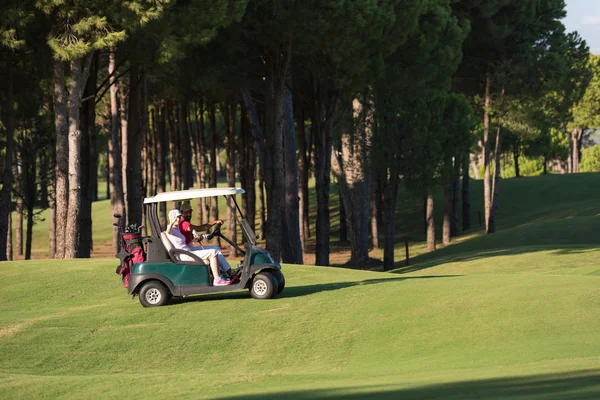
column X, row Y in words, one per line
column 203, row 227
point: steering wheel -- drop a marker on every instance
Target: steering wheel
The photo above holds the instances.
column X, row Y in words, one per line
column 216, row 232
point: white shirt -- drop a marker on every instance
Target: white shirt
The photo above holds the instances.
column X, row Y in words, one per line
column 177, row 239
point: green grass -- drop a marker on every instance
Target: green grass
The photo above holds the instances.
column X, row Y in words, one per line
column 514, row 315
column 469, row 330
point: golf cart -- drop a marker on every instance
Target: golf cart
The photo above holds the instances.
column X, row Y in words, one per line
column 167, row 272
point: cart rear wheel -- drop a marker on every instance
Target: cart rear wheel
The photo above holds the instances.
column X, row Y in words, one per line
column 154, row 294
column 264, row 286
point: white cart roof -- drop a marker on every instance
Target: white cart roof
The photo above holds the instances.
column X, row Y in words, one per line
column 192, row 194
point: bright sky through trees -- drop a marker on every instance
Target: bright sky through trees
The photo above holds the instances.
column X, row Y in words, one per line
column 583, row 16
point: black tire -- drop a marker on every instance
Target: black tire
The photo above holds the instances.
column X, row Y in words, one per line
column 154, row 294
column 264, row 286
column 280, row 280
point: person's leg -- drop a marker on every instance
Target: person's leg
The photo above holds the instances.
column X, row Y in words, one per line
column 214, row 266
column 208, row 255
column 222, row 260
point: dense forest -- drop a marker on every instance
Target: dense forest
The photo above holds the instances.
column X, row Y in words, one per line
column 145, row 96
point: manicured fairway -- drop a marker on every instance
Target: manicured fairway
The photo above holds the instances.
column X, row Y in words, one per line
column 510, row 326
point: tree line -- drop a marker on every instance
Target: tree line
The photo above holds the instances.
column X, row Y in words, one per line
column 375, row 93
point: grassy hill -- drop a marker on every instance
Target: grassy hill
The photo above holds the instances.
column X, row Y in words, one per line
column 514, row 315
column 465, row 330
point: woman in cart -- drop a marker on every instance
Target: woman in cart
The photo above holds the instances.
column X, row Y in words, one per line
column 175, row 234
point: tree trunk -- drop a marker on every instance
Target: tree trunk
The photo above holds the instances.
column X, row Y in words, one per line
column 494, row 200
column 30, row 189
column 487, row 190
column 303, row 179
column 9, row 247
column 115, row 171
column 291, row 240
column 430, row 222
column 257, row 149
column 576, row 135
column 242, row 159
column 144, row 126
column 262, row 208
column 473, row 165
column 44, row 178
column 374, row 209
column 123, row 94
column 184, row 146
column 151, row 154
column 77, row 82
column 516, row 160
column 19, row 186
column 135, row 131
column 352, row 170
column 5, row 197
column 466, row 195
column 172, row 147
column 229, row 115
column 51, row 226
column 455, row 190
column 250, row 172
column 161, row 155
column 213, row 163
column 199, row 159
column 88, row 161
column 325, row 109
column 202, row 159
column 446, row 222
column 343, row 219
column 62, row 153
column 276, row 65
column 390, row 194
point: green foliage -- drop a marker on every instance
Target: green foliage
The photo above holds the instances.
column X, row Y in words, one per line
column 527, row 167
column 586, row 112
column 79, row 27
column 552, row 144
column 14, row 17
column 590, row 159
column 436, row 134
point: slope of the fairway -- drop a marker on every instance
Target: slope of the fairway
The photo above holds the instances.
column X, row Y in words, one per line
column 462, row 330
column 562, row 237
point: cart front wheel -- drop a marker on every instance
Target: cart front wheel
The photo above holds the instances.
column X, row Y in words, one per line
column 264, row 286
column 280, row 280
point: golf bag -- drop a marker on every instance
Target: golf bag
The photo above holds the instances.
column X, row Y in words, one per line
column 132, row 252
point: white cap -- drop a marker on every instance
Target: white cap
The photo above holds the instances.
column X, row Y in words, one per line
column 173, row 214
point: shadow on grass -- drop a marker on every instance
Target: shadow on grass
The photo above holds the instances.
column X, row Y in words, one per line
column 299, row 291
column 582, row 385
column 429, row 260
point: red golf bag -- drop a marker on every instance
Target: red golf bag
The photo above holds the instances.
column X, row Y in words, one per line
column 132, row 251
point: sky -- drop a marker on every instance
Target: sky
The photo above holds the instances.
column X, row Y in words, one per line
column 583, row 16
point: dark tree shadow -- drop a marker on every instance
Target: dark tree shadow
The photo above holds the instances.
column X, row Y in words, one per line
column 429, row 260
column 581, row 385
column 299, row 291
